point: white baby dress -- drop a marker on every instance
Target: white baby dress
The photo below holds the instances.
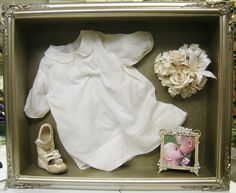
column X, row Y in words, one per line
column 105, row 110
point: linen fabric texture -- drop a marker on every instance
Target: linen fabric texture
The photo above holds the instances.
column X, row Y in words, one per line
column 105, row 110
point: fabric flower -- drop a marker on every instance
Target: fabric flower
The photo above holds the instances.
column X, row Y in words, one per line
column 178, row 57
column 183, row 70
column 198, row 64
column 180, row 78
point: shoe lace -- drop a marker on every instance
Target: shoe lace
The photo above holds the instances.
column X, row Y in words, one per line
column 53, row 155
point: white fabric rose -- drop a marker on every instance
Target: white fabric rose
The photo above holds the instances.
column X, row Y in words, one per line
column 163, row 64
column 178, row 57
column 180, row 78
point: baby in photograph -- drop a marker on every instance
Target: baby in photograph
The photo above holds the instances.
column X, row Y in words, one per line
column 181, row 155
column 172, row 154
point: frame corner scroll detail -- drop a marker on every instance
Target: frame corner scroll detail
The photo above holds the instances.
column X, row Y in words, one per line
column 225, row 7
column 8, row 12
column 223, row 183
column 15, row 182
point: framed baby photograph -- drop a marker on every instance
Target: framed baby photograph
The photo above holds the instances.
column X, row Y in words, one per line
column 179, row 150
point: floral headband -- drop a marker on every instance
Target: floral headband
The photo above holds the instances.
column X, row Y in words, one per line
column 183, row 70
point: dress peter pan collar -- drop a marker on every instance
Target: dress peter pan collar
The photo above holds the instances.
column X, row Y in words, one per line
column 83, row 46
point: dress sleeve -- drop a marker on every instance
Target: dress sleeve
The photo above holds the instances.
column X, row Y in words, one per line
column 36, row 104
column 129, row 48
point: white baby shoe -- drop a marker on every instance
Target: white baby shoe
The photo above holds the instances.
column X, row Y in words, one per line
column 48, row 157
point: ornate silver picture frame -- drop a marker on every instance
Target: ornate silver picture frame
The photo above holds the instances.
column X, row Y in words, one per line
column 28, row 31
column 179, row 150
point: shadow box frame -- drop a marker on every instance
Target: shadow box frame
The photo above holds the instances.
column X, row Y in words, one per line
column 222, row 11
